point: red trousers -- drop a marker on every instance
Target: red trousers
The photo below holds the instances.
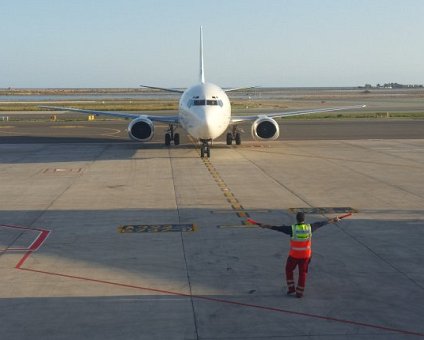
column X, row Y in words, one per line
column 302, row 264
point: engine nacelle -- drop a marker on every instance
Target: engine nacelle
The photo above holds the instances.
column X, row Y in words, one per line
column 141, row 129
column 265, row 128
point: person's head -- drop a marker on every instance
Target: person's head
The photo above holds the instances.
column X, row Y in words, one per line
column 300, row 217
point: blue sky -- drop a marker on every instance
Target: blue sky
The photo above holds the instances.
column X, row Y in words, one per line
column 87, row 43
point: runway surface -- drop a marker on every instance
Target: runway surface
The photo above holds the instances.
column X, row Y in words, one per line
column 103, row 238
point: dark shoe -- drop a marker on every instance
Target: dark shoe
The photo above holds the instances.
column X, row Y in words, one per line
column 291, row 291
column 299, row 295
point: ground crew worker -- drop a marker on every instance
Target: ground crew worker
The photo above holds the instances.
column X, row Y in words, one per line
column 300, row 249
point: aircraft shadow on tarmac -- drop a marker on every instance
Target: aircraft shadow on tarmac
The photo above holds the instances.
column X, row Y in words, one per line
column 220, row 245
column 56, row 139
column 57, row 149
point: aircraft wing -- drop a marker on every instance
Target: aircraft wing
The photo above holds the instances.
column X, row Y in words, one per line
column 162, row 119
column 163, row 89
column 237, row 119
column 239, row 88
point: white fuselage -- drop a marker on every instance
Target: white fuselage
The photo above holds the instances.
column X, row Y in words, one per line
column 204, row 111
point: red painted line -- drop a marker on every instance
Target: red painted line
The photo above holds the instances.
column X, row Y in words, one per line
column 206, row 298
column 42, row 236
column 344, row 216
column 19, row 227
column 39, row 240
column 23, row 259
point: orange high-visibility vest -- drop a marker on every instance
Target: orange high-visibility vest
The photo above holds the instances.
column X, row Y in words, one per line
column 300, row 243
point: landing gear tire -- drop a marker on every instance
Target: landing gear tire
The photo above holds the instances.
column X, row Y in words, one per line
column 205, row 150
column 234, row 135
column 177, row 139
column 238, row 138
column 171, row 136
column 229, row 138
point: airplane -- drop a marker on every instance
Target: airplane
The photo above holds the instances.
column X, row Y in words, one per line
column 205, row 114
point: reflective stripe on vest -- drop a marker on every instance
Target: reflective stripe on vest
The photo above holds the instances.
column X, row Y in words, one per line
column 300, row 243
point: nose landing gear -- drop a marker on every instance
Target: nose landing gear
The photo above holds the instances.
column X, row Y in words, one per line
column 205, row 150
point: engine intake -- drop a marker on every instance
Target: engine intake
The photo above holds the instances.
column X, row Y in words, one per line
column 265, row 128
column 141, row 129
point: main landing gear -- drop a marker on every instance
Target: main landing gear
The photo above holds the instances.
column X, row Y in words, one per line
column 205, row 150
column 171, row 136
column 233, row 135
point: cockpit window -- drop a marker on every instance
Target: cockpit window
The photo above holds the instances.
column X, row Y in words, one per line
column 199, row 102
column 203, row 102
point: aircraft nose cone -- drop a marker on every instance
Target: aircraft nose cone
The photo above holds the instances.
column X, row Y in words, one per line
column 215, row 122
column 205, row 125
column 211, row 121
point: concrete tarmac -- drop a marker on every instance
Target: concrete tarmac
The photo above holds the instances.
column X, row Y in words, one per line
column 107, row 131
column 67, row 272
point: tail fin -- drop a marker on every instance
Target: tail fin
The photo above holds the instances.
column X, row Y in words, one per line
column 202, row 70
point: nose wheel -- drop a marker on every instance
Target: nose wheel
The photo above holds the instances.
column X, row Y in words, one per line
column 205, row 150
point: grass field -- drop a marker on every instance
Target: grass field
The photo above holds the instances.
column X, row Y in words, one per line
column 380, row 103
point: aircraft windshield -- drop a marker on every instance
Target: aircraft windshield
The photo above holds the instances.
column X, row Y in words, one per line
column 203, row 102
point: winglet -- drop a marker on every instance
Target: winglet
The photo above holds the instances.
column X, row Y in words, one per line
column 202, row 70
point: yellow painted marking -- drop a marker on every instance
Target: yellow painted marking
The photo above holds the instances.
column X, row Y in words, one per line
column 156, row 228
column 235, row 204
column 242, row 214
column 63, row 171
column 324, row 210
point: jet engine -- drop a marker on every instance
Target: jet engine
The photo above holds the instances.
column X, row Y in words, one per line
column 141, row 129
column 265, row 128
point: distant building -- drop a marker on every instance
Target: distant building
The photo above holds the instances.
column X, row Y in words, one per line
column 392, row 86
